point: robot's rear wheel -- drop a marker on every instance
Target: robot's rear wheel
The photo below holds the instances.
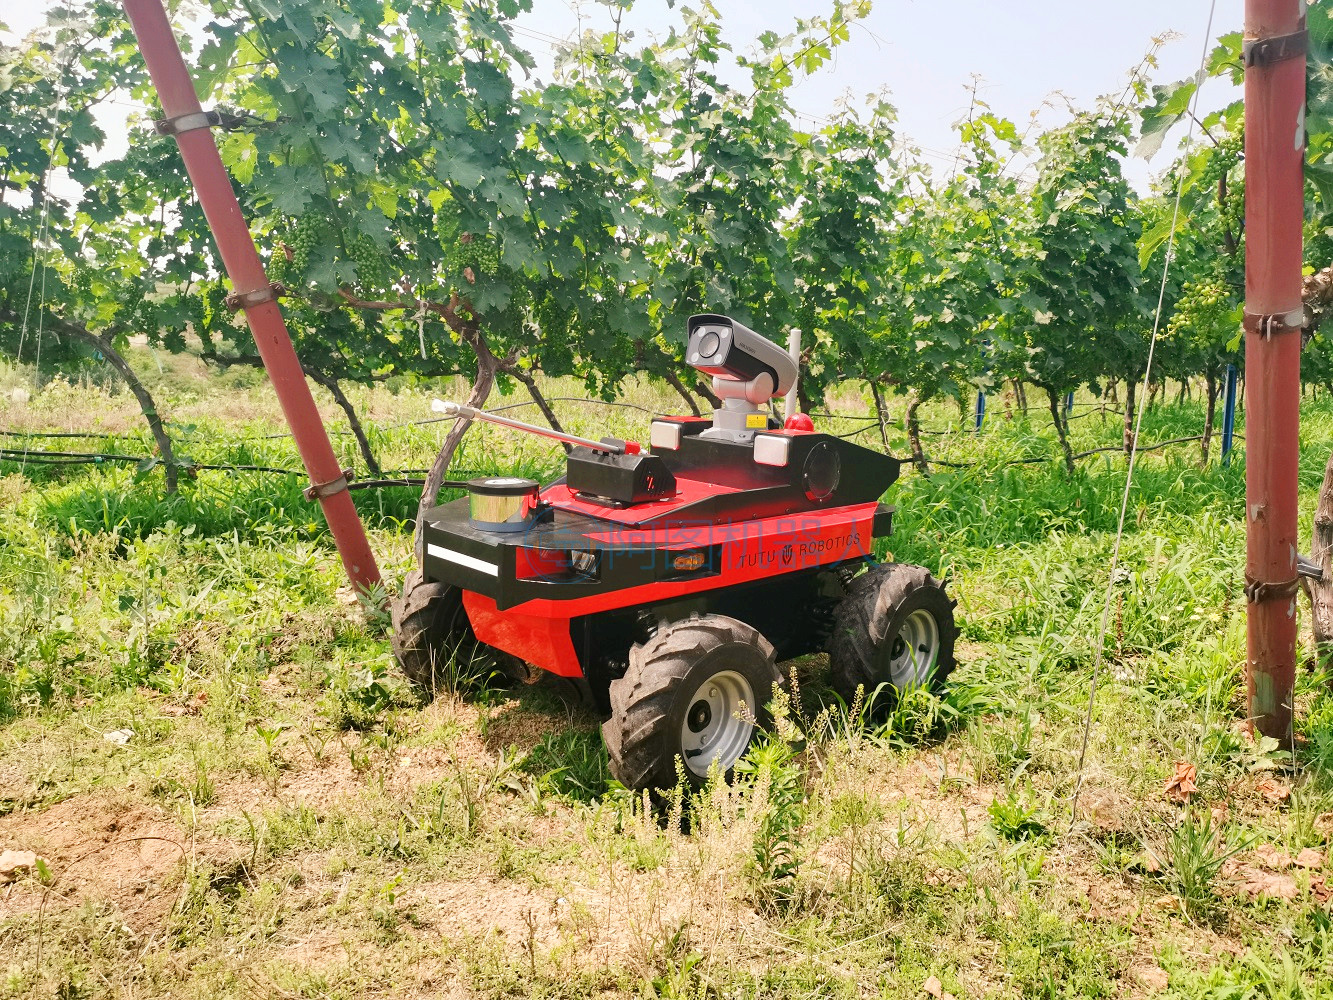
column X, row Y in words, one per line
column 894, row 628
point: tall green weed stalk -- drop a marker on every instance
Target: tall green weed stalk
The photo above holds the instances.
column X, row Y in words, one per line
column 777, row 802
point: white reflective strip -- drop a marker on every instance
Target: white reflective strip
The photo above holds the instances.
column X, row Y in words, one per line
column 664, row 435
column 770, row 449
column 463, row 559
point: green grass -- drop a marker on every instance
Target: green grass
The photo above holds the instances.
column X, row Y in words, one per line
column 289, row 818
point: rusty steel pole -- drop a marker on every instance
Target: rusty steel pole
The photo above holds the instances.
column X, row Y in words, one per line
column 252, row 292
column 1274, row 48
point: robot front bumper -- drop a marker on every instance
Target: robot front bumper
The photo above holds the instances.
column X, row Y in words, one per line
column 566, row 563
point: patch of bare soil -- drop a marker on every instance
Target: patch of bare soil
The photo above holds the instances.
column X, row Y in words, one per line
column 319, row 784
column 936, row 791
column 518, row 726
column 17, row 788
column 633, row 919
column 100, row 848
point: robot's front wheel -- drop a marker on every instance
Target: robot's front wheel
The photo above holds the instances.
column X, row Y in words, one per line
column 432, row 638
column 696, row 691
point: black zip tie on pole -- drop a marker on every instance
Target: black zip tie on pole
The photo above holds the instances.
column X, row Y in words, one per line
column 228, row 121
column 1274, row 49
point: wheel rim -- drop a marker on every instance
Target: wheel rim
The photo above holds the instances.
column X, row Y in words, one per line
column 914, row 651
column 712, row 729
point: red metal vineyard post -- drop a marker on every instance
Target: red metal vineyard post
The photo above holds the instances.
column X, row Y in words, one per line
column 1274, row 48
column 252, row 291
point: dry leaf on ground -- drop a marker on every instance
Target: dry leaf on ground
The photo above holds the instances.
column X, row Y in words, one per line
column 191, row 707
column 933, row 987
column 1310, row 858
column 1273, row 790
column 1323, row 825
column 1181, row 785
column 1273, row 857
column 1256, row 882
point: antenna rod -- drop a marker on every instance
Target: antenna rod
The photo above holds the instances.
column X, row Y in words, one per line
column 794, row 349
column 472, row 413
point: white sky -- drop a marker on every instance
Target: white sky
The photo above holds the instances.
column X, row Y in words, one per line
column 925, row 52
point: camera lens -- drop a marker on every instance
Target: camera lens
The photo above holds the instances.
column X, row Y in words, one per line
column 708, row 344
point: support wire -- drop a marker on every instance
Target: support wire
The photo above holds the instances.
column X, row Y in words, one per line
column 1099, row 649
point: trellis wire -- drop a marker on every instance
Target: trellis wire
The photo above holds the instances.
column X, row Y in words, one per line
column 39, row 238
column 1098, row 653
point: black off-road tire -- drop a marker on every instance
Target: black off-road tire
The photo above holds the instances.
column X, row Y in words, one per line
column 871, row 617
column 649, row 705
column 430, row 625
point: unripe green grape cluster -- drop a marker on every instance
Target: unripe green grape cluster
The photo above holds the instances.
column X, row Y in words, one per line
column 372, row 267
column 1200, row 305
column 309, row 232
column 1229, row 152
column 479, row 255
column 279, row 267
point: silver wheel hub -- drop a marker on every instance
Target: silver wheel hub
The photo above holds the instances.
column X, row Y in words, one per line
column 915, row 651
column 714, row 728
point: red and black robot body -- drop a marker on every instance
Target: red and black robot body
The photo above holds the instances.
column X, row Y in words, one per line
column 671, row 582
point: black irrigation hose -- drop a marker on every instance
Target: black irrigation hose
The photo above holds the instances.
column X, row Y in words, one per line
column 868, row 427
column 106, row 436
column 245, row 468
column 37, row 456
column 98, row 458
column 574, row 399
column 398, row 478
column 403, row 477
column 1077, row 455
column 375, row 484
column 1096, row 408
column 72, row 434
column 495, row 409
column 1093, row 413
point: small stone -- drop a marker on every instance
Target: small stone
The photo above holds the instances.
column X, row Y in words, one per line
column 15, row 863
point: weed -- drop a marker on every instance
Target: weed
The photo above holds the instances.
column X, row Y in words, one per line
column 1191, row 857
column 359, row 698
column 570, row 763
column 1015, row 817
column 775, row 786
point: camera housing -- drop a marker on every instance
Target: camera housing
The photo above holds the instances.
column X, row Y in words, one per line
column 726, row 349
column 747, row 369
